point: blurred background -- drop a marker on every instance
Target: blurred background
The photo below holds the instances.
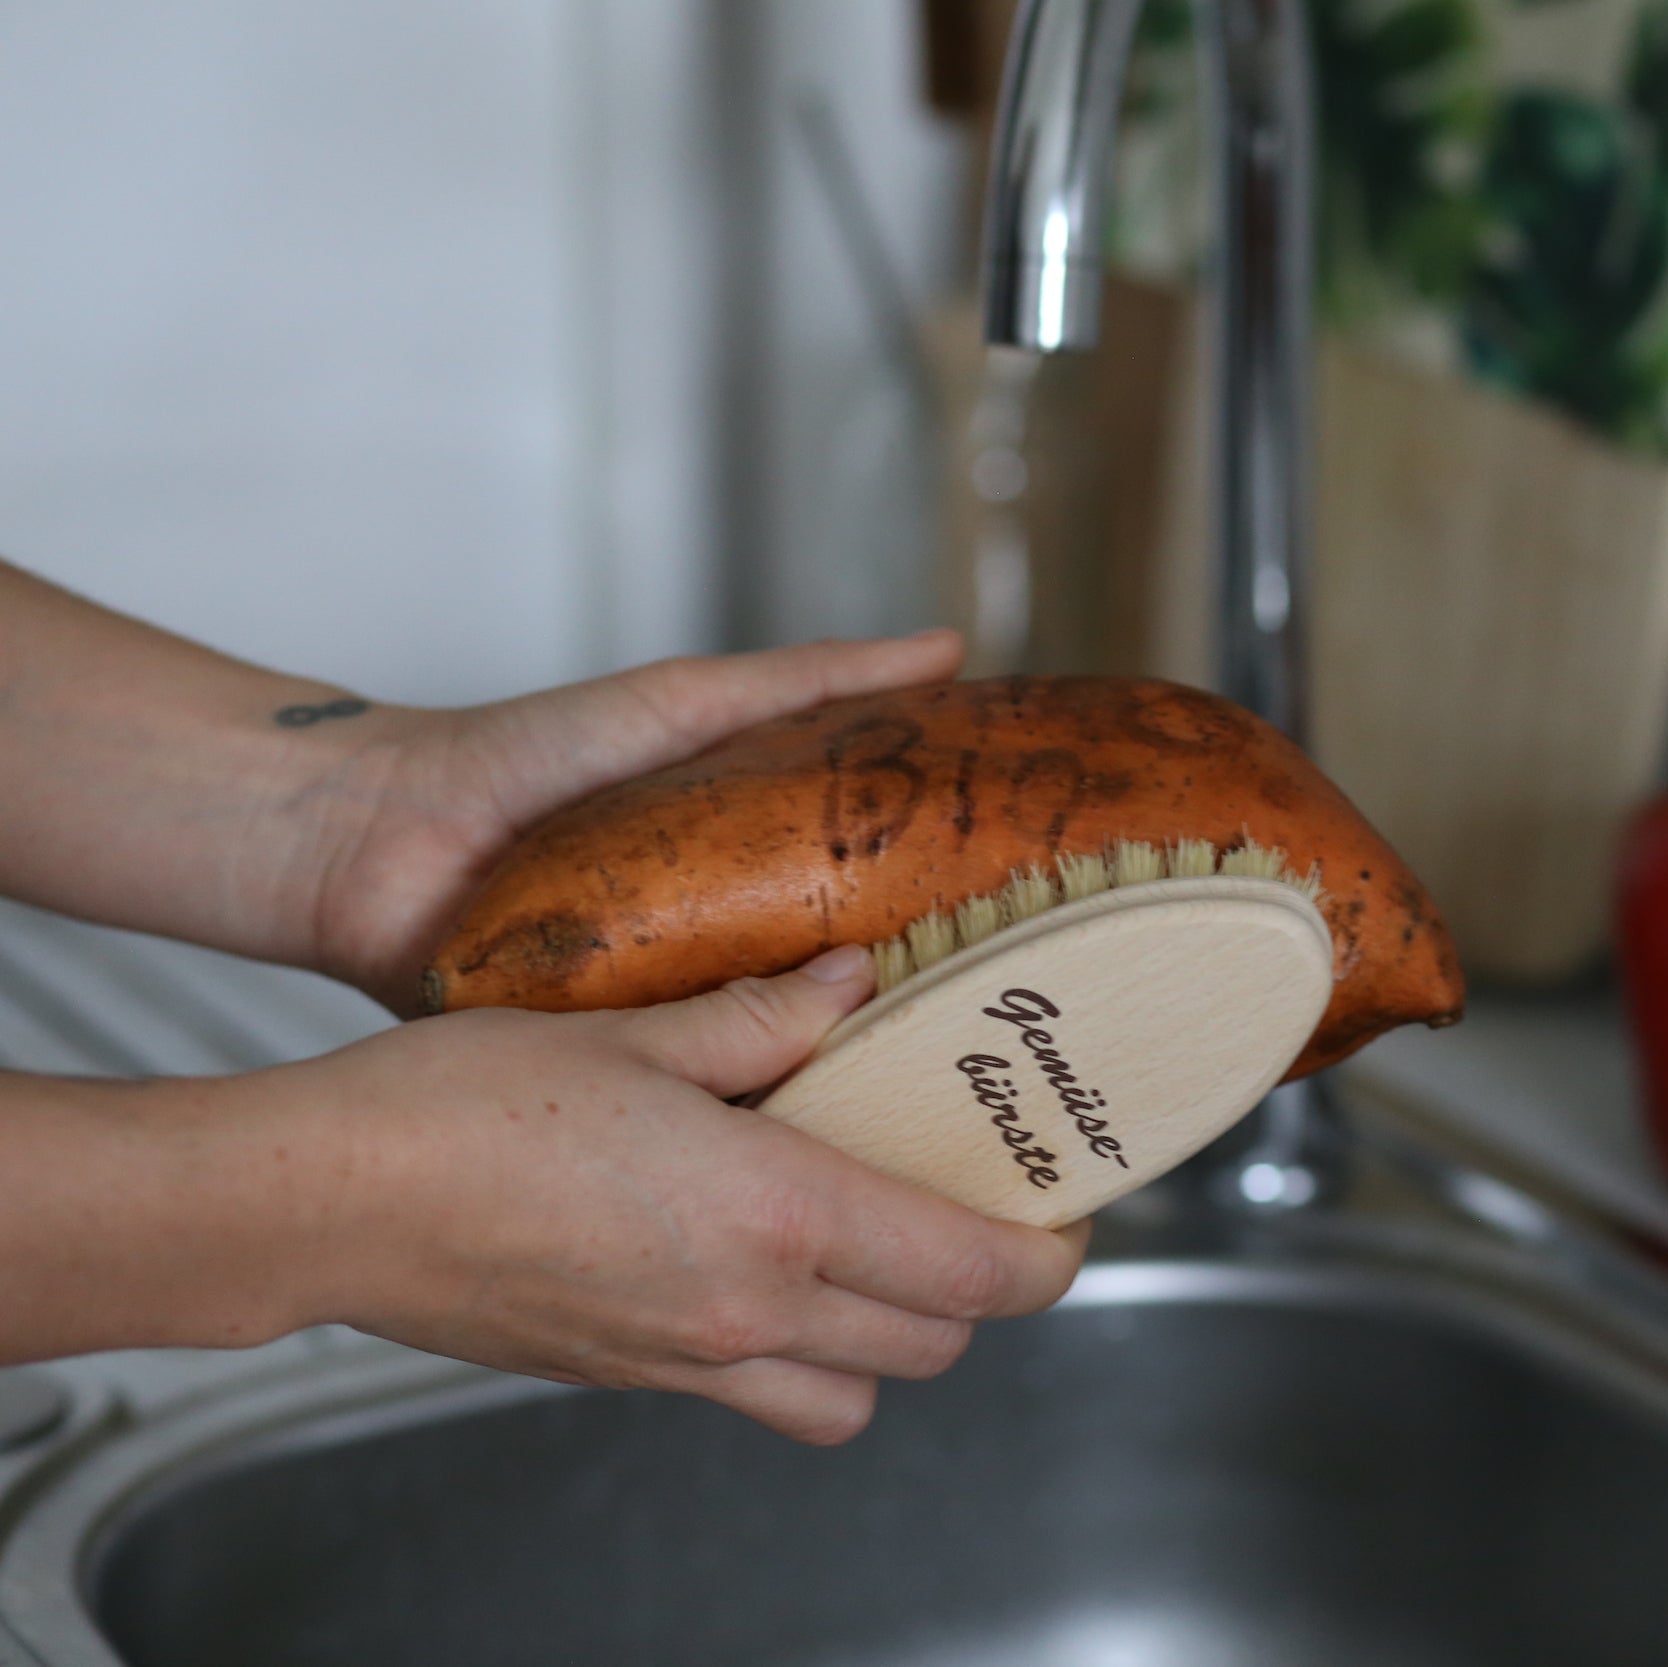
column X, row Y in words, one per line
column 446, row 351
column 443, row 350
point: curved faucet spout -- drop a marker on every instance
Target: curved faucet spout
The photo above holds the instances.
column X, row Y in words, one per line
column 1046, row 214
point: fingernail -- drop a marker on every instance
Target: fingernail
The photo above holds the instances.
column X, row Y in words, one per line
column 835, row 966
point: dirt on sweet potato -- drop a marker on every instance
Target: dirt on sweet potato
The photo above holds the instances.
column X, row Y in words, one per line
column 843, row 824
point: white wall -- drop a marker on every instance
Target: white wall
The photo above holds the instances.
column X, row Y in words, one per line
column 301, row 326
column 387, row 341
column 848, row 454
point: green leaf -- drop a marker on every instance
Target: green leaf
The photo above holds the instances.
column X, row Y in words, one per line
column 1421, row 37
column 1565, row 299
column 1403, row 106
column 1646, row 83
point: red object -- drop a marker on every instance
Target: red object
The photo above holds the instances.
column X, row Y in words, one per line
column 1642, row 950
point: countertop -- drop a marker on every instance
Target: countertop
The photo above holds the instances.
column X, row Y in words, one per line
column 1545, row 1081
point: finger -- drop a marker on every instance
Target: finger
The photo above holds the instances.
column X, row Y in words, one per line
column 703, row 700
column 753, row 1032
column 855, row 1334
column 632, row 721
column 808, row 1403
column 912, row 1250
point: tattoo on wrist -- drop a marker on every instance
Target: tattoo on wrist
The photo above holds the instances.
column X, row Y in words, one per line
column 300, row 717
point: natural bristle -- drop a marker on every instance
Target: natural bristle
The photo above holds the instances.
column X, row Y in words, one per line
column 1254, row 862
column 977, row 919
column 931, row 939
column 1082, row 877
column 1030, row 892
column 1309, row 884
column 1191, row 859
column 893, row 964
column 1033, row 891
column 1134, row 863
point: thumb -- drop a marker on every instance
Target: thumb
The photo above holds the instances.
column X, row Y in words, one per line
column 753, row 1032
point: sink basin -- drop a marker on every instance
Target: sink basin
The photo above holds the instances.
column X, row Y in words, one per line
column 1197, row 1462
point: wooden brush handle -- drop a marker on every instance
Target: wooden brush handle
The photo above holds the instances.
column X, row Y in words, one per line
column 1078, row 1056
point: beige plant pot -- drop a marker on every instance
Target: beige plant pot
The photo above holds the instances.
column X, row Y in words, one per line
column 1491, row 602
column 1492, row 653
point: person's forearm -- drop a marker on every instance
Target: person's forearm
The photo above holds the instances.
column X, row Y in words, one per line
column 565, row 1195
column 150, row 1214
column 148, row 782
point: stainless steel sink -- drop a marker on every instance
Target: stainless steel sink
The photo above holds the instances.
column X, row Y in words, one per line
column 1330, row 1445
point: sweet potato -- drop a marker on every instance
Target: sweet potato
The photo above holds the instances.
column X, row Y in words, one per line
column 842, row 824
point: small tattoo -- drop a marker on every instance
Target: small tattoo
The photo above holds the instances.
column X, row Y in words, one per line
column 299, row 717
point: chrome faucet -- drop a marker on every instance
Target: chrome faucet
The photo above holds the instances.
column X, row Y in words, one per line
column 1044, row 236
